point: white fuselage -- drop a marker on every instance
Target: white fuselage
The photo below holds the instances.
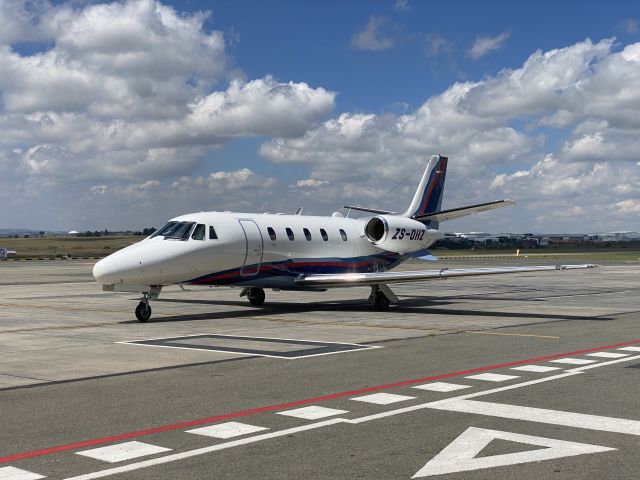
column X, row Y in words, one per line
column 243, row 252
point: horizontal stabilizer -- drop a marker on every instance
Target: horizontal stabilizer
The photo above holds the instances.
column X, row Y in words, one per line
column 444, row 215
column 368, row 210
column 359, row 279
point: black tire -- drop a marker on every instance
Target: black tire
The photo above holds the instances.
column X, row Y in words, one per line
column 381, row 302
column 256, row 296
column 143, row 312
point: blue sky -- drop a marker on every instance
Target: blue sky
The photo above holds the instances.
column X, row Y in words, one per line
column 110, row 108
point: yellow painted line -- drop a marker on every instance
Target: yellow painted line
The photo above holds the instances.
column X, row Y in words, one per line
column 510, row 334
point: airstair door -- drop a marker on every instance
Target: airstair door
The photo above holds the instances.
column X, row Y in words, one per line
column 254, row 248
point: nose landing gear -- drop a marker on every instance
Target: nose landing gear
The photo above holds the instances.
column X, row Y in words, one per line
column 143, row 310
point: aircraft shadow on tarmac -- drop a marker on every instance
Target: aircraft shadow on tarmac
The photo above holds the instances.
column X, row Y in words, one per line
column 413, row 305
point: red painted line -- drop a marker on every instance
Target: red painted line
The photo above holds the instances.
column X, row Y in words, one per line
column 295, row 403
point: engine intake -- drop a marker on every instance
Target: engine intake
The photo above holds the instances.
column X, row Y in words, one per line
column 399, row 234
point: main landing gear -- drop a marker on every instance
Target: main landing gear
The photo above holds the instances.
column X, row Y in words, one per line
column 381, row 296
column 255, row 295
column 143, row 310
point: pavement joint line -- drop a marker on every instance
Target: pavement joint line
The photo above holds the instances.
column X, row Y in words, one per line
column 23, row 376
column 438, row 405
column 308, row 401
column 479, row 332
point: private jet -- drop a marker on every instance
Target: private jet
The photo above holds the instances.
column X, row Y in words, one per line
column 4, row 253
column 258, row 251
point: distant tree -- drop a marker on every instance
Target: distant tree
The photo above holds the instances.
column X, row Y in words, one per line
column 148, row 231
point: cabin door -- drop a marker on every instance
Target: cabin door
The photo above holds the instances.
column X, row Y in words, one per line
column 254, row 248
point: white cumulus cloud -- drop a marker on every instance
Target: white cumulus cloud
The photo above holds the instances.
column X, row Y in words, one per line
column 485, row 45
column 496, row 133
column 371, row 37
column 129, row 91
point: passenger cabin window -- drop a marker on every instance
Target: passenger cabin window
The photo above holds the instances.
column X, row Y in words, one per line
column 212, row 233
column 343, row 234
column 290, row 234
column 199, row 232
column 307, row 233
column 272, row 233
column 323, row 232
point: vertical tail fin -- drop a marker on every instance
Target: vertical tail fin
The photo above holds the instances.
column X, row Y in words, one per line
column 428, row 197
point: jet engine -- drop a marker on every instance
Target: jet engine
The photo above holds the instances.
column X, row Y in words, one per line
column 399, row 234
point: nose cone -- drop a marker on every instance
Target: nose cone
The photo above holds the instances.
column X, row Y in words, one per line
column 122, row 266
column 137, row 264
column 111, row 270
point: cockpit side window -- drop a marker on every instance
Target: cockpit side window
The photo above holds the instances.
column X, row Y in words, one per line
column 198, row 232
column 179, row 231
column 212, row 233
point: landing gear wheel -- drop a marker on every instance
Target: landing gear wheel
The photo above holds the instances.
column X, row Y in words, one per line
column 143, row 311
column 380, row 301
column 255, row 296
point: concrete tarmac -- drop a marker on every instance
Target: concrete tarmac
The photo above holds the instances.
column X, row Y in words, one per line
column 535, row 375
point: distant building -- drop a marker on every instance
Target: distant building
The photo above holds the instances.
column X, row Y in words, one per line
column 73, row 232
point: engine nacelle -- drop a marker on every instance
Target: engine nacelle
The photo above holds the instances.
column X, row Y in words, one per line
column 399, row 234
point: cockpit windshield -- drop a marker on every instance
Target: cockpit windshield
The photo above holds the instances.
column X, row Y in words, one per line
column 175, row 231
column 163, row 230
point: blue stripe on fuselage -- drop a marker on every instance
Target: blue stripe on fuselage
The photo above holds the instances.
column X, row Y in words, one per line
column 294, row 267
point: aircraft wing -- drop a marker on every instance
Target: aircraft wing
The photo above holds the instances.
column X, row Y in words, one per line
column 359, row 279
column 443, row 215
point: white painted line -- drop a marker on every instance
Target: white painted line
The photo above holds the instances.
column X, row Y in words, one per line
column 312, row 413
column 441, row 387
column 541, row 415
column 382, row 398
column 461, row 454
column 274, row 355
column 492, row 377
column 123, row 451
column 602, row 364
column 422, row 406
column 630, row 349
column 535, row 368
column 202, row 451
column 13, row 473
column 573, row 361
column 227, row 430
column 608, row 355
